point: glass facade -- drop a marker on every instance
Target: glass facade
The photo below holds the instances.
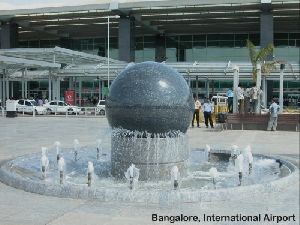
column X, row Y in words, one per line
column 180, row 48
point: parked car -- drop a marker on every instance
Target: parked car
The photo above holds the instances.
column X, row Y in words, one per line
column 74, row 109
column 101, row 107
column 28, row 106
column 61, row 107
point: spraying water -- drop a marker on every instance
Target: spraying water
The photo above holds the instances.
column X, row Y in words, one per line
column 76, row 149
column 57, row 147
column 213, row 172
column 132, row 175
column 61, row 169
column 90, row 171
column 175, row 176
column 44, row 162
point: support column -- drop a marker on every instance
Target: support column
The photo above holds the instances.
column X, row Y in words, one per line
column 235, row 86
column 264, row 88
column 207, row 88
column 126, row 38
column 79, row 89
column 9, row 35
column 12, row 89
column 266, row 37
column 7, row 86
column 282, row 66
column 26, row 88
column 160, row 48
column 58, row 89
column 258, row 85
column 197, row 86
column 1, row 100
column 22, row 85
column 3, row 89
column 49, row 88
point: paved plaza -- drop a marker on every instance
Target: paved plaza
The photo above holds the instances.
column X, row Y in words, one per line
column 23, row 135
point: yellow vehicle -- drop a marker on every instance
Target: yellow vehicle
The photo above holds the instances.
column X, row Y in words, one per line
column 220, row 103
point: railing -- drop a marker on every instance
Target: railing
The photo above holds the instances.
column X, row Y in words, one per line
column 84, row 112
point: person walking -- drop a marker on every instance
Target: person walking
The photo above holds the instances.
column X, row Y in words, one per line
column 229, row 95
column 208, row 109
column 196, row 112
column 273, row 110
column 240, row 98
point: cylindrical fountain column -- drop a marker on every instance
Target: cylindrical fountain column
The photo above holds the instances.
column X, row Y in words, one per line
column 149, row 107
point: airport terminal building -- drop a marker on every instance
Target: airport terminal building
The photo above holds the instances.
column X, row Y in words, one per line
column 47, row 51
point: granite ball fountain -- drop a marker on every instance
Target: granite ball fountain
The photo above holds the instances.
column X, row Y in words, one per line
column 145, row 156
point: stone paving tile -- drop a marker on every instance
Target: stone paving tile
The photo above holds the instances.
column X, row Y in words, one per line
column 26, row 135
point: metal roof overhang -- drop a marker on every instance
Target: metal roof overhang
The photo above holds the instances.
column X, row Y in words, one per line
column 204, row 71
column 20, row 63
column 56, row 55
column 211, row 71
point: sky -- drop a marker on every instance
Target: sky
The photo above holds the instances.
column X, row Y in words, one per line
column 30, row 4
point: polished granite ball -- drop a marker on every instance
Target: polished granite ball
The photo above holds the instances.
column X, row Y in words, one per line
column 150, row 97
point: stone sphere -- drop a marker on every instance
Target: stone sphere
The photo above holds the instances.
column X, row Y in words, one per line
column 150, row 97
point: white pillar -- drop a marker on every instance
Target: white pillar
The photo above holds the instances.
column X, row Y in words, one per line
column 281, row 88
column 207, row 88
column 1, row 90
column 258, row 85
column 12, row 89
column 235, row 86
column 79, row 89
column 100, row 88
column 22, row 85
column 58, row 88
column 264, row 88
column 7, row 86
column 49, row 88
column 197, row 86
column 25, row 84
column 108, row 66
column 26, row 88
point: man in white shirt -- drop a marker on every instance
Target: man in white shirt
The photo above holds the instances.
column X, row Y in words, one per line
column 208, row 109
column 196, row 112
column 273, row 110
column 240, row 98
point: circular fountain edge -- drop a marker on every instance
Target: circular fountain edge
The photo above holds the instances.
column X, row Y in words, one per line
column 155, row 196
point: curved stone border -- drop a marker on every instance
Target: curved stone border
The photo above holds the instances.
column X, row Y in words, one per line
column 162, row 197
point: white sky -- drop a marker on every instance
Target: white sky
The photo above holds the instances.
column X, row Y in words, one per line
column 30, row 4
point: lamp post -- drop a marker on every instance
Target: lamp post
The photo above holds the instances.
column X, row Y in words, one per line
column 108, row 52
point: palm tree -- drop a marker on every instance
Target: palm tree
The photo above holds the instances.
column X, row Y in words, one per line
column 260, row 57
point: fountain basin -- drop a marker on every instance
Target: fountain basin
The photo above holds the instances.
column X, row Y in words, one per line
column 19, row 174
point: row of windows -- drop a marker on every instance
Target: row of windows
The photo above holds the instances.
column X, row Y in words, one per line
column 180, row 41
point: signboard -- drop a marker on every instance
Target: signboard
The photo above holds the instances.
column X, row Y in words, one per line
column 70, row 97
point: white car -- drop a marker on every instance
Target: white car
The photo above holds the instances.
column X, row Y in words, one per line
column 101, row 107
column 74, row 109
column 61, row 107
column 28, row 106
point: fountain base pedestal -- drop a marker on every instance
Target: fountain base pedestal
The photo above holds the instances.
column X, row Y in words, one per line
column 153, row 156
